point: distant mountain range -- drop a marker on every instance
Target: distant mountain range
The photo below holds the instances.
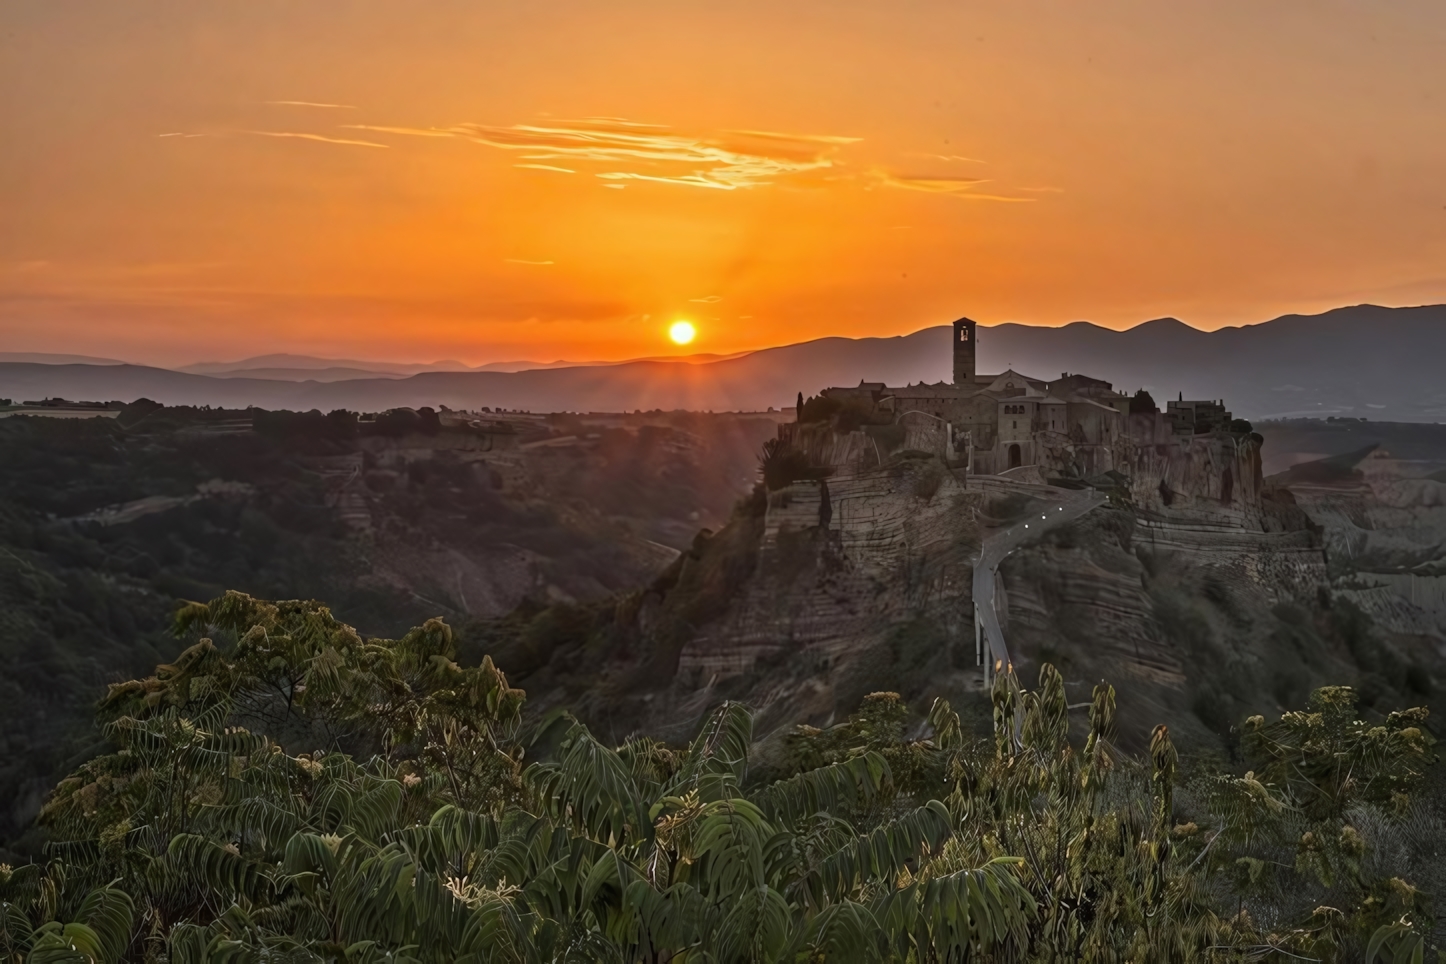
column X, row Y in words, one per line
column 300, row 368
column 49, row 358
column 1361, row 361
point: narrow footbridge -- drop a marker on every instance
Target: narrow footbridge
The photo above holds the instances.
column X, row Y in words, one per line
column 988, row 637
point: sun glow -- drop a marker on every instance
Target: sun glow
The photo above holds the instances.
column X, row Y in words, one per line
column 682, row 332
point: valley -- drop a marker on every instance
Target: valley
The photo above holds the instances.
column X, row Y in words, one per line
column 634, row 570
column 106, row 523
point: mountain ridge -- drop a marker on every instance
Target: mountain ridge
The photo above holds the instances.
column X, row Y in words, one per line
column 289, row 367
column 1362, row 360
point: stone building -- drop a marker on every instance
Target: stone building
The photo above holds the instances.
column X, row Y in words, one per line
column 997, row 423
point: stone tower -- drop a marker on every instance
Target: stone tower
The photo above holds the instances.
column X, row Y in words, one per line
column 964, row 348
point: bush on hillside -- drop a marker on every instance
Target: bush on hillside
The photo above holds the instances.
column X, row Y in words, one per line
column 296, row 791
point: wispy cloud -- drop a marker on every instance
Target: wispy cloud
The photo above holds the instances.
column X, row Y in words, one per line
column 408, row 131
column 950, row 157
column 726, row 160
column 317, row 137
column 710, row 300
column 960, row 187
column 311, row 103
column 833, row 140
column 620, row 152
column 691, row 180
column 180, row 134
column 525, row 261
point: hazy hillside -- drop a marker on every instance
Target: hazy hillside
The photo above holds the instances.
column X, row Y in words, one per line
column 50, row 358
column 1290, row 442
column 1363, row 361
column 106, row 523
column 300, row 368
column 284, row 361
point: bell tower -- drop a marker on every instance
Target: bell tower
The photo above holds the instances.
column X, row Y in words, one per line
column 964, row 348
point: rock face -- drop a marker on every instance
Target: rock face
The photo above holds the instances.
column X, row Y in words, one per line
column 1203, row 500
column 1176, row 606
column 1202, row 590
column 1384, row 524
column 850, row 577
column 843, row 559
column 1221, row 594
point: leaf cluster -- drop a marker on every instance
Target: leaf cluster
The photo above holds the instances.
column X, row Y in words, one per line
column 297, row 792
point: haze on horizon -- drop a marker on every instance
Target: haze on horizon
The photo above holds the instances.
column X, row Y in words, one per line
column 480, row 180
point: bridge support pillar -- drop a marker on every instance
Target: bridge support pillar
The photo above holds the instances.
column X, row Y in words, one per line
column 979, row 645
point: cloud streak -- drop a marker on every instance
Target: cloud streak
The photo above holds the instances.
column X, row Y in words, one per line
column 317, row 137
column 636, row 151
column 621, row 152
column 311, row 103
column 407, row 131
column 950, row 157
column 960, row 187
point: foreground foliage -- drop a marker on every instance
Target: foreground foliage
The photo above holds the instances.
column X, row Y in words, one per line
column 214, row 832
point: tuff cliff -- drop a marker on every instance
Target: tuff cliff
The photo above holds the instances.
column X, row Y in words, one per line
column 1383, row 520
column 1201, row 588
column 849, row 571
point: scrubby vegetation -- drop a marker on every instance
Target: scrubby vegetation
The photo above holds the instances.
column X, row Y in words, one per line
column 781, row 465
column 105, row 523
column 289, row 790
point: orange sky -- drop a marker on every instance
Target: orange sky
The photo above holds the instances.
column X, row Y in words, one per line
column 564, row 179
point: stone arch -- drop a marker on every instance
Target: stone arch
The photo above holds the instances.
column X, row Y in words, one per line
column 1016, row 458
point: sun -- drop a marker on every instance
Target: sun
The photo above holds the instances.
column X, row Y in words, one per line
column 682, row 332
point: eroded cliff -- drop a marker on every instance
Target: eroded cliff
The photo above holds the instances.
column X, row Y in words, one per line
column 1199, row 587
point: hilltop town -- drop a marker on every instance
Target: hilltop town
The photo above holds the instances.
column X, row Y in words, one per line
column 1000, row 424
